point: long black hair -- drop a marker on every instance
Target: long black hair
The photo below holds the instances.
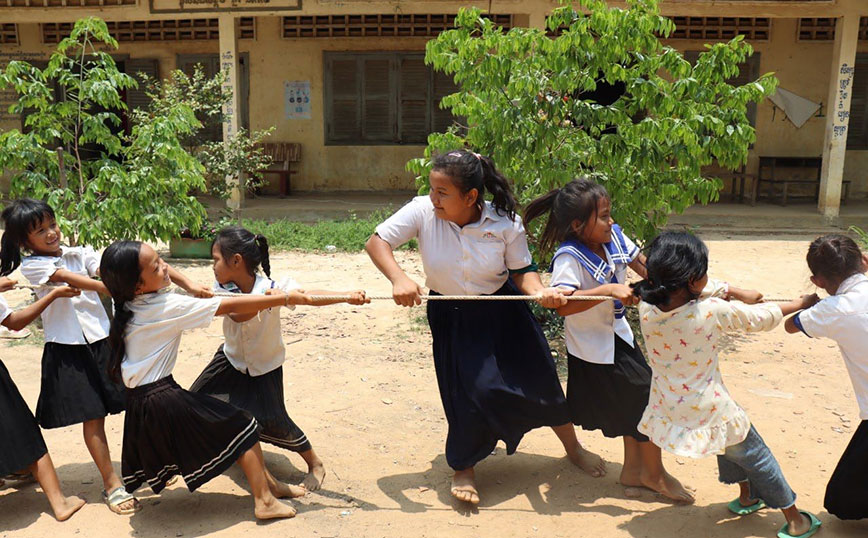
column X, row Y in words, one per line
column 577, row 200
column 252, row 247
column 675, row 259
column 835, row 257
column 19, row 219
column 120, row 272
column 470, row 170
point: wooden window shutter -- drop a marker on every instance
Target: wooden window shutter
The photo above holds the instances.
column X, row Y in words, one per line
column 343, row 91
column 414, row 99
column 857, row 131
column 136, row 97
column 213, row 128
column 443, row 85
column 378, row 96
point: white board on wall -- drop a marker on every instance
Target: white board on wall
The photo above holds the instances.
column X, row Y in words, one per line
column 296, row 99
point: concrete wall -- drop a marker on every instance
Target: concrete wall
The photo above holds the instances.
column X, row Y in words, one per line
column 801, row 68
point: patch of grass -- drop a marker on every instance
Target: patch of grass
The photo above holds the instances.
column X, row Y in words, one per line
column 346, row 235
column 36, row 338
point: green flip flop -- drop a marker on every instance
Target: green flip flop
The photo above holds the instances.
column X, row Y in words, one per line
column 740, row 510
column 815, row 526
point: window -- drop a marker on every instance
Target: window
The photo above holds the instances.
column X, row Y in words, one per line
column 383, row 98
column 857, row 130
column 382, row 25
column 747, row 72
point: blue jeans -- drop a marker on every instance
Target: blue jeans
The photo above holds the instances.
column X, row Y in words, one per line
column 751, row 461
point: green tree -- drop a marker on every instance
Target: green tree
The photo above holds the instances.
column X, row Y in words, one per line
column 525, row 99
column 102, row 184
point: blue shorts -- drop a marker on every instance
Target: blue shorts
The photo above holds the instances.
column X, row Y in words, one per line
column 751, row 461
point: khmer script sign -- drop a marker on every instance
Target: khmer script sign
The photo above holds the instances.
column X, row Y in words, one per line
column 222, row 6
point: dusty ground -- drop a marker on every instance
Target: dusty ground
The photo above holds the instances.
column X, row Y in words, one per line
column 360, row 382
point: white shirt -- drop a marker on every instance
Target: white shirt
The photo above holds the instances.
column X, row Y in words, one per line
column 589, row 334
column 69, row 320
column 256, row 346
column 4, row 309
column 470, row 260
column 153, row 334
column 843, row 317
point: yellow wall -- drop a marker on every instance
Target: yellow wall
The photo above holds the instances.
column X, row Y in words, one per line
column 801, row 68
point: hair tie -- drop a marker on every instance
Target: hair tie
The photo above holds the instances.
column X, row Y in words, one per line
column 478, row 156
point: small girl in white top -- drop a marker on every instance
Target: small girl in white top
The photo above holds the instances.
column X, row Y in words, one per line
column 21, row 444
column 608, row 377
column 168, row 430
column 690, row 412
column 838, row 266
column 247, row 370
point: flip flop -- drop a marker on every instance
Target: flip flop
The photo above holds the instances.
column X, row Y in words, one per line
column 117, row 497
column 741, row 510
column 815, row 526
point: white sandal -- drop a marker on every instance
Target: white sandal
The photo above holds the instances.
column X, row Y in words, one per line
column 117, row 497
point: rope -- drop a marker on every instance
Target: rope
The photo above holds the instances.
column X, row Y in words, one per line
column 423, row 297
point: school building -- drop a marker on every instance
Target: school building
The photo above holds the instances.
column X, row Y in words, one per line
column 346, row 78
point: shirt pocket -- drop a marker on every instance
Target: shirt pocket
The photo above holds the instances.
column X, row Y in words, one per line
column 489, row 256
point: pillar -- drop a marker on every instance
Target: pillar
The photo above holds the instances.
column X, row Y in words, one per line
column 232, row 110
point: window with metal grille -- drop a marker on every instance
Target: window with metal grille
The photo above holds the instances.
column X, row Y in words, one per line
column 383, row 98
column 383, row 25
column 857, row 130
column 41, row 4
column 155, row 30
column 816, row 29
column 721, row 28
column 8, row 33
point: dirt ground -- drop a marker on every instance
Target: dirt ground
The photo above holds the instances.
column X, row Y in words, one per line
column 360, row 382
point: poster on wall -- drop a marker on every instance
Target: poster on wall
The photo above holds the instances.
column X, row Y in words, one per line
column 296, row 98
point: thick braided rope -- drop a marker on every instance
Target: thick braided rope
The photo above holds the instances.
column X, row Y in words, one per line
column 424, row 297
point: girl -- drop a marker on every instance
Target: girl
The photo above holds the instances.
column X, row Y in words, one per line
column 494, row 368
column 75, row 387
column 167, row 430
column 21, row 442
column 247, row 370
column 608, row 378
column 690, row 412
column 838, row 267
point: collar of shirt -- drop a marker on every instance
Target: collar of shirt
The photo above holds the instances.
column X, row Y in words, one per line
column 260, row 285
column 850, row 282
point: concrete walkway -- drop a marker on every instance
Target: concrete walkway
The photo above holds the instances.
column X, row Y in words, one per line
column 734, row 218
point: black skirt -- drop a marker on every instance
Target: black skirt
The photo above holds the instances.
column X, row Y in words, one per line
column 21, row 441
column 76, row 386
column 170, row 431
column 610, row 397
column 261, row 396
column 847, row 491
column 496, row 375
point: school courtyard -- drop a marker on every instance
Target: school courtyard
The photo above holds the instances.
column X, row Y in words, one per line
column 346, row 80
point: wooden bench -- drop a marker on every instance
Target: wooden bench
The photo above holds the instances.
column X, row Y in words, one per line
column 768, row 166
column 283, row 156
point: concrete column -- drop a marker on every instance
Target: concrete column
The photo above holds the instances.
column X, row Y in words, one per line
column 838, row 114
column 232, row 110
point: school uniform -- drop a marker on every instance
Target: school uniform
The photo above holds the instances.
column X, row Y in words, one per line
column 247, row 370
column 21, row 442
column 494, row 368
column 75, row 383
column 609, row 379
column 168, row 430
column 843, row 317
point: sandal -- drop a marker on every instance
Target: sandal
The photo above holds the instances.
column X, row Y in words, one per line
column 117, row 497
column 815, row 526
column 739, row 509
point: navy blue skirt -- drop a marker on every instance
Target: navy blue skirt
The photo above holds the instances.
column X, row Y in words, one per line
column 847, row 491
column 496, row 375
column 21, row 441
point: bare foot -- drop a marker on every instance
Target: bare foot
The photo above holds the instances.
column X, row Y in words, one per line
column 464, row 486
column 273, row 510
column 668, row 486
column 315, row 477
column 282, row 490
column 588, row 461
column 67, row 507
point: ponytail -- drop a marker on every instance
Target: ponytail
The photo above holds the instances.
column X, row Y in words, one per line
column 657, row 295
column 835, row 257
column 263, row 252
column 575, row 201
column 252, row 248
column 470, row 171
column 120, row 272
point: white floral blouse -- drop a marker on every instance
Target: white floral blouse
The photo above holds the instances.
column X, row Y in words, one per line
column 690, row 412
